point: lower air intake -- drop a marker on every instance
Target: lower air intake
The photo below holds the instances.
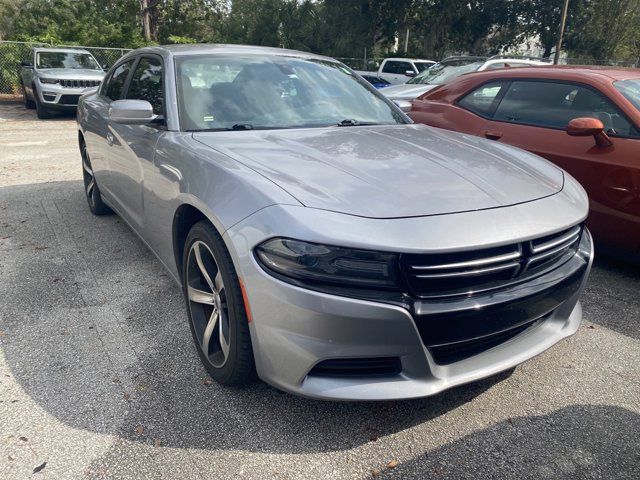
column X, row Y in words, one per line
column 357, row 367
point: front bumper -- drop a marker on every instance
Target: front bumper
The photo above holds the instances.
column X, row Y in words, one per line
column 294, row 329
column 55, row 97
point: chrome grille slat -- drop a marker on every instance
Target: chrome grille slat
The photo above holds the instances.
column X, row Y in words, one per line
column 573, row 233
column 446, row 275
column 471, row 273
column 552, row 252
column 471, row 263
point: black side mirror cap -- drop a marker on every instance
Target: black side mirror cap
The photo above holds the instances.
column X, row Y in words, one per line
column 26, row 64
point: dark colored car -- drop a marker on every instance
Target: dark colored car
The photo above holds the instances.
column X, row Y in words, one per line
column 584, row 119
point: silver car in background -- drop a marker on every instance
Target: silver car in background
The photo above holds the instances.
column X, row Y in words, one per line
column 453, row 67
column 320, row 238
column 54, row 79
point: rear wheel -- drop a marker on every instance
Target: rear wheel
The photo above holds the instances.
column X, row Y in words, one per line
column 91, row 190
column 28, row 104
column 217, row 314
column 41, row 110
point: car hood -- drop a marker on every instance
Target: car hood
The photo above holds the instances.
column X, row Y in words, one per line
column 406, row 91
column 390, row 171
column 71, row 73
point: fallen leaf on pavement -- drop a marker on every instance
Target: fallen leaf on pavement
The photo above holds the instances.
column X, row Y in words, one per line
column 126, row 396
column 207, row 381
column 392, row 464
column 40, row 467
column 157, row 442
column 24, row 439
column 375, row 472
column 139, row 429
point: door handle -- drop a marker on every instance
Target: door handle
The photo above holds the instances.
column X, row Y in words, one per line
column 110, row 139
column 493, row 135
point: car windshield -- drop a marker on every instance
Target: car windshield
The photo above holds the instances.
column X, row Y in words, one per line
column 422, row 66
column 66, row 60
column 630, row 89
column 443, row 72
column 219, row 92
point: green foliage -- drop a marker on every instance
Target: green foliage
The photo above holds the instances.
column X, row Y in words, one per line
column 597, row 29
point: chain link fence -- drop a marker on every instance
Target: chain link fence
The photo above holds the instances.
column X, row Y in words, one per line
column 12, row 53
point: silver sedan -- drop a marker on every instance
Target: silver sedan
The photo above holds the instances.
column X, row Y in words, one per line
column 321, row 239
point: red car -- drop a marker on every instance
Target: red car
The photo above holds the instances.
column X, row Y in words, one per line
column 584, row 119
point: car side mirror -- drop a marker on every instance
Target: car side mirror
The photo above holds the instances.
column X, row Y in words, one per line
column 105, row 67
column 410, row 73
column 131, row 112
column 26, row 64
column 587, row 127
column 404, row 105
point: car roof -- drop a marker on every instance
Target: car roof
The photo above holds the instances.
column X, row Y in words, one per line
column 61, row 50
column 405, row 59
column 564, row 72
column 525, row 61
column 222, row 49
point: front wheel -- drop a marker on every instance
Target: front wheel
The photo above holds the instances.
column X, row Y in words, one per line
column 216, row 309
column 28, row 104
column 41, row 110
column 91, row 190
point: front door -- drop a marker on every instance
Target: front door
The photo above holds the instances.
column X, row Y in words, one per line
column 533, row 115
column 132, row 147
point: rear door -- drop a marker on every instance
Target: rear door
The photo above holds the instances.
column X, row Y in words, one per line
column 533, row 115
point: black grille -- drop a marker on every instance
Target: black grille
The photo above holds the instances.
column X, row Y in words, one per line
column 454, row 352
column 69, row 99
column 467, row 273
column 357, row 367
column 79, row 83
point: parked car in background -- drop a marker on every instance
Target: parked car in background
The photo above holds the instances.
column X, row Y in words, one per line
column 399, row 70
column 376, row 81
column 451, row 68
column 584, row 119
column 322, row 238
column 54, row 78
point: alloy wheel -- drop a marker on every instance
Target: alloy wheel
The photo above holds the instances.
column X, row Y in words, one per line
column 208, row 304
column 87, row 173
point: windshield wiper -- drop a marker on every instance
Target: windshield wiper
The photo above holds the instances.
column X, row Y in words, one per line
column 350, row 122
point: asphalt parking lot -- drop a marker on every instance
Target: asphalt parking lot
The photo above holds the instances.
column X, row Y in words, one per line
column 99, row 377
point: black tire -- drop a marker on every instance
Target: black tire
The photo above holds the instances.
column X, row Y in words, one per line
column 41, row 111
column 91, row 190
column 28, row 104
column 239, row 366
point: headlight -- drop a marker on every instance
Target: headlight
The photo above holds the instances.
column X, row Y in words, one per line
column 329, row 265
column 52, row 81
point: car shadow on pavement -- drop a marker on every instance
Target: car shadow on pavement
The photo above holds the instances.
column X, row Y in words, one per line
column 577, row 442
column 95, row 333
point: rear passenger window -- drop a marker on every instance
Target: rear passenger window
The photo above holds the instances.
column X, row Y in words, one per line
column 115, row 84
column 554, row 105
column 484, row 100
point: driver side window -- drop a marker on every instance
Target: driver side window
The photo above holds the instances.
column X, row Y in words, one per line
column 146, row 83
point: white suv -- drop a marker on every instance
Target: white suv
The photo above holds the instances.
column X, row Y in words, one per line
column 453, row 67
